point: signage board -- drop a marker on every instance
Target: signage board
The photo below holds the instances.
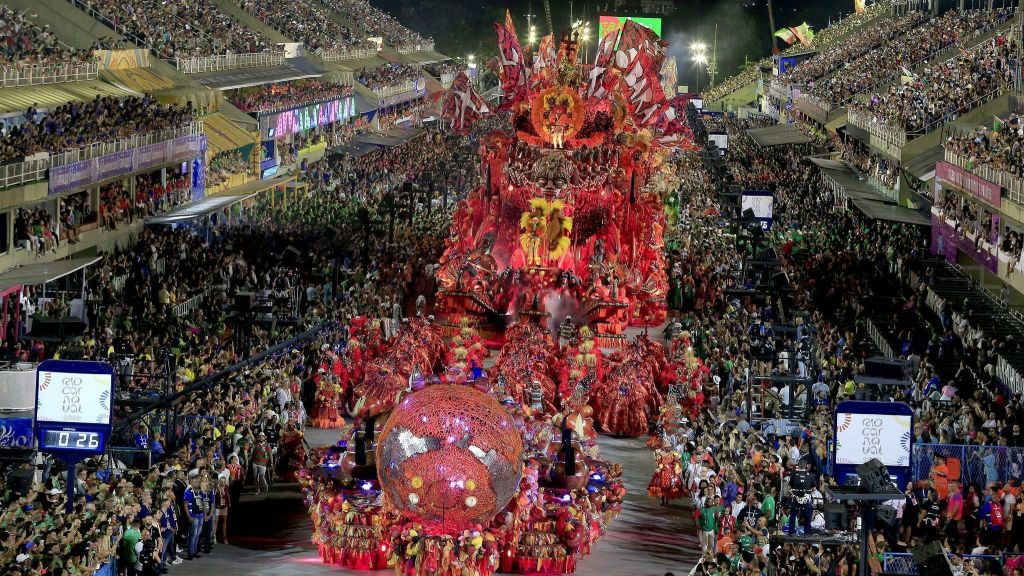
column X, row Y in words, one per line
column 74, row 405
column 869, row 430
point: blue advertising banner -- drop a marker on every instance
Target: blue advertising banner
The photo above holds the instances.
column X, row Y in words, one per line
column 15, row 432
column 80, row 175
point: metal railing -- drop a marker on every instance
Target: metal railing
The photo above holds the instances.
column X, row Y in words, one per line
column 200, row 64
column 876, row 128
column 879, row 340
column 130, row 143
column 191, row 305
column 1013, row 184
column 388, row 91
column 14, row 75
column 337, row 54
column 421, row 47
column 21, row 173
column 1008, row 374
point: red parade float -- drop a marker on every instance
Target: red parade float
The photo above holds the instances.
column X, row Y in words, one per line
column 446, row 472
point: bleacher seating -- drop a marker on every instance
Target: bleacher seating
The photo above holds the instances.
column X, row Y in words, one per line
column 182, row 28
column 308, row 22
column 900, row 53
column 78, row 124
column 945, row 91
column 377, row 23
column 286, row 95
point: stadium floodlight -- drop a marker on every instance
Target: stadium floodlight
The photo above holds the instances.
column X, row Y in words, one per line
column 700, row 58
column 532, row 38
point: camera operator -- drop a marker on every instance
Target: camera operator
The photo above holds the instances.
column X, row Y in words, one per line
column 802, row 497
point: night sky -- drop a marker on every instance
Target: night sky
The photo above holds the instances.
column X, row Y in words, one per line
column 462, row 27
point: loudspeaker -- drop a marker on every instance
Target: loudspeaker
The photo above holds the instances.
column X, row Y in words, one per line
column 886, row 515
column 836, row 517
column 243, row 301
column 880, row 368
column 20, row 480
column 874, row 477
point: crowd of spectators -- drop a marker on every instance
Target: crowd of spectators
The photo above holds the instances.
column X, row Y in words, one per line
column 269, row 98
column 390, row 74
column 78, row 124
column 224, row 165
column 944, row 91
column 246, row 429
column 866, row 41
column 24, row 42
column 824, row 38
column 842, row 268
column 306, row 21
column 999, row 148
column 447, row 67
column 182, row 29
column 901, row 52
column 871, row 163
column 378, row 24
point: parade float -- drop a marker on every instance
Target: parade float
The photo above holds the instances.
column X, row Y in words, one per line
column 448, row 468
column 568, row 224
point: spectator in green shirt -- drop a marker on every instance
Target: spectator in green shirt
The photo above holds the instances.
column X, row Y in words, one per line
column 768, row 506
column 709, row 514
column 129, row 555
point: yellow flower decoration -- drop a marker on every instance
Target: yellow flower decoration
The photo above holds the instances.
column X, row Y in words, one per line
column 417, row 482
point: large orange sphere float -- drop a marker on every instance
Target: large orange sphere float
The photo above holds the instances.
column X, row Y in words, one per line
column 450, row 457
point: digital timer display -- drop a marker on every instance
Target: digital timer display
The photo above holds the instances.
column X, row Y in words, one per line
column 71, row 440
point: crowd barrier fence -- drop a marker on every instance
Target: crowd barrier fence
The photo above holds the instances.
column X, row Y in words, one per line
column 133, row 458
column 980, row 465
column 200, row 64
column 14, row 75
column 388, row 91
column 337, row 54
column 879, row 340
column 1014, row 185
column 130, row 143
column 903, row 562
column 25, row 172
column 424, row 47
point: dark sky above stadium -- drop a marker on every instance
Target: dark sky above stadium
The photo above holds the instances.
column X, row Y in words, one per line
column 463, row 27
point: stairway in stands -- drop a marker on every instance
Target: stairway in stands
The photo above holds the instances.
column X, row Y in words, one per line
column 963, row 293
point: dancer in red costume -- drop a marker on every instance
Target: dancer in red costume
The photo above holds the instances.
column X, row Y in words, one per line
column 628, row 398
column 666, row 484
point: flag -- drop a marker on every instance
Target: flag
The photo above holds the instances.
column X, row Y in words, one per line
column 545, row 55
column 513, row 67
column 646, row 97
column 643, row 38
column 603, row 60
column 787, row 35
column 509, row 25
column 804, row 34
column 859, row 7
column 997, row 124
column 462, row 105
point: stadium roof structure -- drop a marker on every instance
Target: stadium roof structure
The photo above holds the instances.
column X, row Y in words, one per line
column 778, row 135
column 865, row 197
column 923, row 167
column 44, row 272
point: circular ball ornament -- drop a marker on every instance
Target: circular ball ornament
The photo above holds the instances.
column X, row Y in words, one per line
column 449, row 457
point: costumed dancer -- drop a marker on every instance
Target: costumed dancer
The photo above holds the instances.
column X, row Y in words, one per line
column 666, row 483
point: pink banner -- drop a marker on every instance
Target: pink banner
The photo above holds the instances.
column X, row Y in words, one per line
column 967, row 182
